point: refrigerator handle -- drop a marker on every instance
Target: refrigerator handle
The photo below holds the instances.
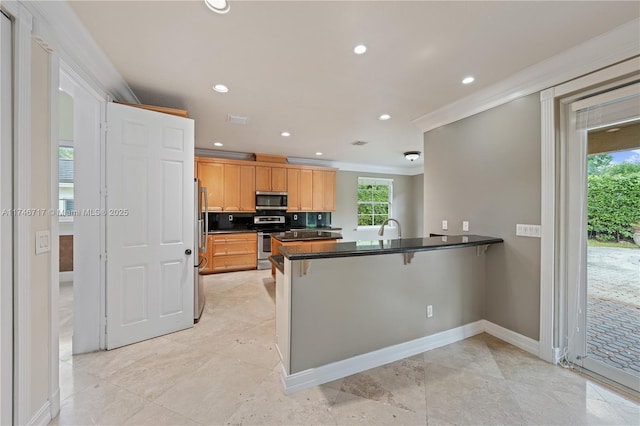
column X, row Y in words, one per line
column 206, row 218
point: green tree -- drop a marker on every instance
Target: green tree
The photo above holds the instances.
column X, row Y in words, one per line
column 598, row 163
column 623, row 169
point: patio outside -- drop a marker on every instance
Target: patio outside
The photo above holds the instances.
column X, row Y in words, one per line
column 613, row 306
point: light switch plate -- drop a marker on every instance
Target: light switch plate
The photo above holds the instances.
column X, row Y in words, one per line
column 523, row 230
column 465, row 225
column 445, row 225
column 43, row 242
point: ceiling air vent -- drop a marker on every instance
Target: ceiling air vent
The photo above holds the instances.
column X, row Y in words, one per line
column 359, row 143
column 236, row 119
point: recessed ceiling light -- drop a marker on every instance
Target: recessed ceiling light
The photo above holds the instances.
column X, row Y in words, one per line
column 468, row 80
column 360, row 49
column 318, row 153
column 384, row 117
column 218, row 6
column 218, row 144
column 220, row 88
column 285, row 134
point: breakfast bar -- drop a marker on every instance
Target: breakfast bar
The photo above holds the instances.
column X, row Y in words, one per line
column 346, row 307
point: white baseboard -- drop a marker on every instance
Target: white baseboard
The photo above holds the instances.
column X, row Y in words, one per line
column 66, row 277
column 523, row 342
column 54, row 406
column 337, row 370
column 43, row 416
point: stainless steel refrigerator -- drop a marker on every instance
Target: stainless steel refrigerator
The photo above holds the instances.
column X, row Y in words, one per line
column 201, row 207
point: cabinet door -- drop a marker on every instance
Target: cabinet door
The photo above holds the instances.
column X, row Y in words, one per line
column 306, row 190
column 231, row 188
column 329, row 191
column 211, row 176
column 318, row 191
column 263, row 178
column 278, row 179
column 293, row 190
column 247, row 188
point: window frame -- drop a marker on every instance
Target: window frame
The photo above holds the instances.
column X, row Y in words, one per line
column 366, row 180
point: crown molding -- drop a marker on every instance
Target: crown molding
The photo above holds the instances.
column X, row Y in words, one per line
column 65, row 32
column 609, row 48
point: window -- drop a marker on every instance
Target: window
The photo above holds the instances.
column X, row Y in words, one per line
column 65, row 182
column 374, row 201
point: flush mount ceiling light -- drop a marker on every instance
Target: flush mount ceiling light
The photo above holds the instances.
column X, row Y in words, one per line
column 384, row 117
column 218, row 144
column 412, row 155
column 360, row 49
column 468, row 80
column 218, row 6
column 285, row 134
column 220, row 88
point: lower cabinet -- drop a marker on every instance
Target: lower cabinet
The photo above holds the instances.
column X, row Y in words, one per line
column 313, row 245
column 232, row 252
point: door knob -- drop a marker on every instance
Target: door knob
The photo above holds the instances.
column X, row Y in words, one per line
column 187, row 252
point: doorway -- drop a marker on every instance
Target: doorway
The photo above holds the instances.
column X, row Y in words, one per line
column 603, row 214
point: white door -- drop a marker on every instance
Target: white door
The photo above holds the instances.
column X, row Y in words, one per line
column 149, row 224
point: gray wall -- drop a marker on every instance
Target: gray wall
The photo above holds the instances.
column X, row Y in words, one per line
column 407, row 205
column 486, row 169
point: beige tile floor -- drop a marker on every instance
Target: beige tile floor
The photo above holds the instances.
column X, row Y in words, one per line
column 224, row 371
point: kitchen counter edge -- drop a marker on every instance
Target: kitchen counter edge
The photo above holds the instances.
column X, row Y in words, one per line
column 404, row 245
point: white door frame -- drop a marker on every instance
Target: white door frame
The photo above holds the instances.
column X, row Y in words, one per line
column 6, row 223
column 88, row 308
column 553, row 268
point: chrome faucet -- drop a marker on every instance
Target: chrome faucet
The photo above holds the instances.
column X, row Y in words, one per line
column 381, row 231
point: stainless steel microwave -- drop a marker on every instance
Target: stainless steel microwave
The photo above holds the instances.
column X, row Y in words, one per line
column 271, row 200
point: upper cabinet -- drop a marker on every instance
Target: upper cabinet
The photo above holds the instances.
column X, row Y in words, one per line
column 232, row 184
column 271, row 179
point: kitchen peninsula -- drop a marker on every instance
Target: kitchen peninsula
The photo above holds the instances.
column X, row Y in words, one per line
column 308, row 240
column 342, row 308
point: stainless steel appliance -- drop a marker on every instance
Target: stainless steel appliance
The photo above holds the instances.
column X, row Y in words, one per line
column 271, row 200
column 266, row 225
column 201, row 207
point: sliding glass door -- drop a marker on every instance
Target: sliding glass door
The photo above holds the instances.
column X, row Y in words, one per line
column 603, row 223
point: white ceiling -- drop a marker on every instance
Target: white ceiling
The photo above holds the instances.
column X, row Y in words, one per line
column 290, row 65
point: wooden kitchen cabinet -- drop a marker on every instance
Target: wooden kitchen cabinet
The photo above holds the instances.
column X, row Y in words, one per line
column 247, row 189
column 313, row 245
column 231, row 185
column 317, row 192
column 232, row 252
column 306, row 190
column 211, row 176
column 293, row 190
column 271, row 179
column 329, row 187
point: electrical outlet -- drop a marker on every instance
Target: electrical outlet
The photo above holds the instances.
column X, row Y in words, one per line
column 445, row 225
column 465, row 225
column 429, row 311
column 230, row 218
column 320, row 217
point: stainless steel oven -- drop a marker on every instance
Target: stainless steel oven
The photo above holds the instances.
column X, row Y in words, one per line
column 271, row 200
column 266, row 225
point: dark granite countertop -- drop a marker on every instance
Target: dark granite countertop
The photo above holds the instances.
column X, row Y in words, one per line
column 306, row 235
column 231, row 231
column 368, row 248
column 278, row 261
column 318, row 228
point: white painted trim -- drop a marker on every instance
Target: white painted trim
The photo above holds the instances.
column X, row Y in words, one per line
column 22, row 224
column 6, row 231
column 54, row 226
column 547, row 225
column 518, row 340
column 42, row 417
column 65, row 277
column 337, row 370
column 614, row 46
column 80, row 51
